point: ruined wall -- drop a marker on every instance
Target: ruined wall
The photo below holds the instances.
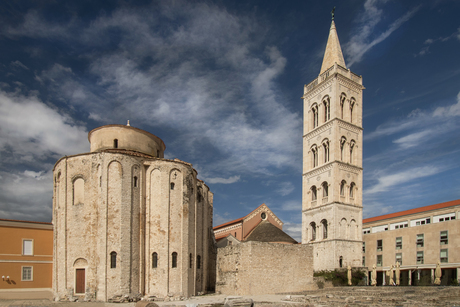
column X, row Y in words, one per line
column 253, row 268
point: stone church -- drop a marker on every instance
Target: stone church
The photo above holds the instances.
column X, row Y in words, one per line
column 128, row 221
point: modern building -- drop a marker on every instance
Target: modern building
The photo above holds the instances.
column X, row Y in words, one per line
column 332, row 179
column 260, row 225
column 418, row 239
column 129, row 222
column 26, row 259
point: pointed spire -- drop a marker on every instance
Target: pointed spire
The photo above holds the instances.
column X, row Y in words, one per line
column 333, row 53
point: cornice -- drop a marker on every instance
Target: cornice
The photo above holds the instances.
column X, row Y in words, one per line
column 318, row 88
column 319, row 130
column 349, row 126
column 328, row 166
column 349, row 167
column 228, row 228
column 263, row 209
column 349, row 83
column 321, row 169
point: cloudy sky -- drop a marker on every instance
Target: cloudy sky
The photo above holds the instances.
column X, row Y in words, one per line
column 220, row 82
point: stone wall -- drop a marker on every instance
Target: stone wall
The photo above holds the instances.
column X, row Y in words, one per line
column 252, row 268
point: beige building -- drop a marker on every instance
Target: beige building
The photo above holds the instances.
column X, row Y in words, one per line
column 129, row 222
column 417, row 239
column 26, row 259
column 332, row 162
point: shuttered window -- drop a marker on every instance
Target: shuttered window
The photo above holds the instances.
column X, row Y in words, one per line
column 27, row 247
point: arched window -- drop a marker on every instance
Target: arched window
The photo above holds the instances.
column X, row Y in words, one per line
column 314, row 151
column 343, row 228
column 324, row 224
column 352, row 187
column 342, row 188
column 113, row 260
column 343, row 97
column 191, row 260
column 115, row 143
column 325, row 189
column 314, row 111
column 343, row 140
column 172, row 185
column 174, row 260
column 327, row 109
column 135, row 181
column 352, row 145
column 326, row 150
column 198, row 262
column 352, row 104
column 154, row 260
column 313, row 231
column 313, row 193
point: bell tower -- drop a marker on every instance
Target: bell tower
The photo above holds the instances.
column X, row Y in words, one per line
column 332, row 177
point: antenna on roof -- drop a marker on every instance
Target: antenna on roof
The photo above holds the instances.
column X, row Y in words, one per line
column 128, row 123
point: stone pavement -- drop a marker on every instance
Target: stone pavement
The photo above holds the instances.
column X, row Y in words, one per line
column 339, row 296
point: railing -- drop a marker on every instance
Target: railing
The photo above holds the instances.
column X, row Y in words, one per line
column 325, row 199
column 313, row 203
column 338, row 69
column 311, row 85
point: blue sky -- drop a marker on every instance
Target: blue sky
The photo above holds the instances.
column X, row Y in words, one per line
column 220, row 82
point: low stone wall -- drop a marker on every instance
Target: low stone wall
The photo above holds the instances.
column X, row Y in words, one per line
column 253, row 268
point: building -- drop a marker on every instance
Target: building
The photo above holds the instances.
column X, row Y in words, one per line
column 26, row 259
column 418, row 239
column 260, row 225
column 129, row 222
column 332, row 162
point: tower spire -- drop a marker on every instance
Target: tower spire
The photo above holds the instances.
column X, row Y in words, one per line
column 333, row 53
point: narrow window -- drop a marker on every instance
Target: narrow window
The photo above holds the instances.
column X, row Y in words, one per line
column 135, row 181
column 198, row 262
column 352, row 104
column 324, row 223
column 27, row 247
column 172, row 185
column 342, row 188
column 340, row 261
column 313, row 231
column 379, row 260
column 113, row 260
column 444, row 238
column 398, row 258
column 379, row 245
column 343, row 140
column 174, row 260
column 327, row 110
column 420, row 257
column 444, row 256
column 352, row 145
column 26, row 273
column 325, row 189
column 154, row 260
column 191, row 260
column 115, row 143
column 352, row 187
column 364, row 261
column 364, row 247
column 420, row 240
column 326, row 151
column 314, row 151
column 399, row 243
column 315, row 115
column 313, row 193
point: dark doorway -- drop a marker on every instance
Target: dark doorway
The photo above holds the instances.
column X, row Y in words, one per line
column 80, row 281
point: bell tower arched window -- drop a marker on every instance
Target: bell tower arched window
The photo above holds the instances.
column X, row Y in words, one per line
column 352, row 187
column 327, row 109
column 313, row 231
column 313, row 193
column 343, row 97
column 324, row 186
column 314, row 110
column 324, row 224
column 314, row 151
column 352, row 104
column 326, row 151
column 342, row 188
column 352, row 145
column 343, row 140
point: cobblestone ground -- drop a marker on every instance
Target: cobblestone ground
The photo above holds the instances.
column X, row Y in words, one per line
column 340, row 297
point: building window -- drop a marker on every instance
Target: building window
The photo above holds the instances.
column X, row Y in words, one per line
column 364, row 247
column 27, row 273
column 158, row 153
column 352, row 187
column 420, row 240
column 113, row 260
column 352, row 146
column 444, row 237
column 314, row 151
column 263, row 216
column 444, row 256
column 315, row 116
column 172, row 185
column 325, row 189
column 174, row 260
column 399, row 243
column 327, row 110
column 27, row 247
column 343, row 140
column 326, row 151
column 115, row 143
column 342, row 188
column 313, row 231
column 379, row 245
column 313, row 193
column 352, row 104
column 154, row 260
column 198, row 262
column 364, row 261
column 190, row 260
column 398, row 258
column 343, row 97
column 420, row 257
column 135, row 181
column 324, row 224
column 340, row 261
column 379, row 260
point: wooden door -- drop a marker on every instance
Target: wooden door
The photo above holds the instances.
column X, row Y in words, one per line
column 80, row 281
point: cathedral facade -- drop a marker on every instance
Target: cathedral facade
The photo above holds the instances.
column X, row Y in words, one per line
column 332, row 176
column 129, row 222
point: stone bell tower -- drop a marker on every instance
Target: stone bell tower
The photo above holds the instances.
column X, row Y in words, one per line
column 332, row 179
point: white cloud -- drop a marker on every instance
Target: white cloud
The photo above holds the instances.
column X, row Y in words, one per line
column 364, row 40
column 449, row 111
column 229, row 180
column 19, row 64
column 285, row 188
column 294, row 230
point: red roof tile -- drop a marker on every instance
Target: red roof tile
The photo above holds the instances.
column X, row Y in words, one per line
column 412, row 211
column 6, row 220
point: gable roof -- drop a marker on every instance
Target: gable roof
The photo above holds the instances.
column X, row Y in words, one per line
column 412, row 211
column 241, row 219
column 267, row 232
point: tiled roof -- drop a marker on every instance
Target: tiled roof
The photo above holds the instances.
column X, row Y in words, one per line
column 413, row 211
column 267, row 232
column 237, row 220
column 6, row 220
